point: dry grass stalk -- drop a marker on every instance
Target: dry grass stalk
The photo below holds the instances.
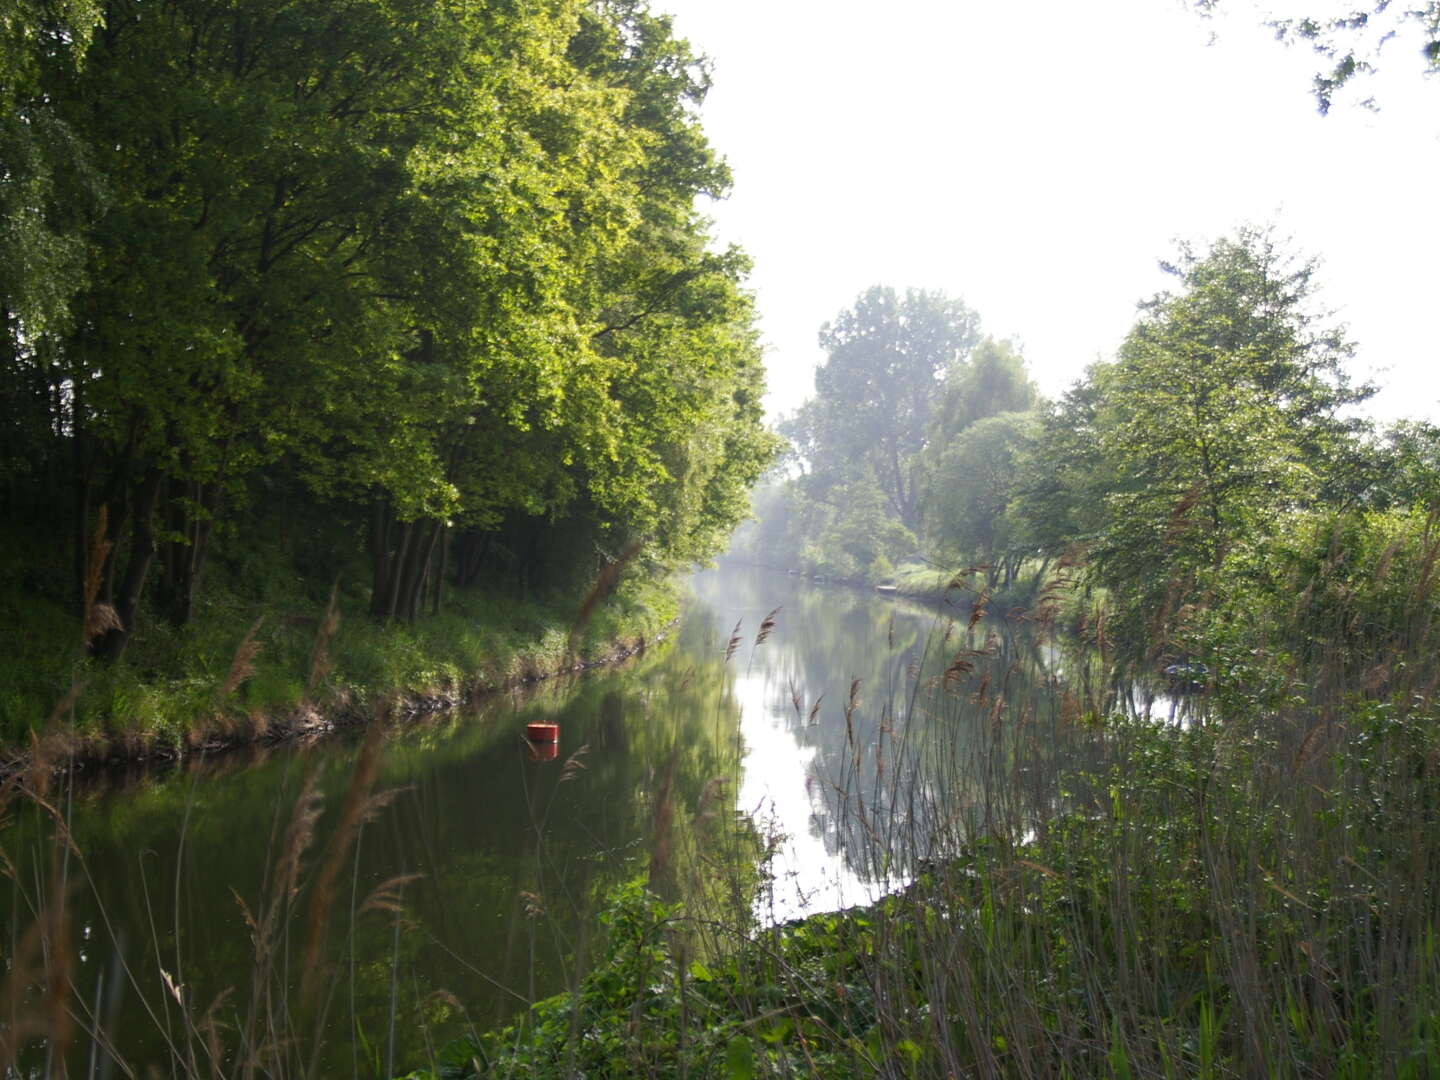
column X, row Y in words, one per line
column 98, row 617
column 601, row 588
column 65, row 704
column 41, row 959
column 960, row 581
column 573, row 764
column 710, row 797
column 389, row 895
column 1382, row 567
column 733, row 643
column 663, row 819
column 979, row 608
column 358, row 807
column 1302, row 755
column 815, row 710
column 278, row 896
column 242, row 666
column 959, row 666
column 767, row 624
column 320, row 659
column 534, row 909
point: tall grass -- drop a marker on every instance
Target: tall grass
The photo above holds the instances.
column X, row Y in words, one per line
column 1077, row 890
column 1071, row 889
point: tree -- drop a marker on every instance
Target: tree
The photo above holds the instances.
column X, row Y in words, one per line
column 1221, row 414
column 970, row 488
column 435, row 267
column 888, row 358
column 1351, row 43
column 49, row 194
column 992, row 381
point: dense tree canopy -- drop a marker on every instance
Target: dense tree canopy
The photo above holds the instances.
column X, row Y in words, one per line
column 1222, row 413
column 888, row 357
column 437, row 268
column 912, row 445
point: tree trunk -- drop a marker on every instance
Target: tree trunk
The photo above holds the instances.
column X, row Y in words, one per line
column 379, row 557
column 444, row 569
column 183, row 560
column 112, row 645
column 418, row 569
column 397, row 570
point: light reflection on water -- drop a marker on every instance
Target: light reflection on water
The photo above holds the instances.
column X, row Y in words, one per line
column 779, row 789
column 515, row 856
column 809, row 772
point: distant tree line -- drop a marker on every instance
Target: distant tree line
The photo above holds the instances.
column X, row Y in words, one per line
column 431, row 271
column 1183, row 473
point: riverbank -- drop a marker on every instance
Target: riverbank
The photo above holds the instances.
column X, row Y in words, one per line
column 289, row 665
column 932, row 584
column 1228, row 900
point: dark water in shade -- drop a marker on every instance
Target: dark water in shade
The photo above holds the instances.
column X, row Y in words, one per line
column 506, row 860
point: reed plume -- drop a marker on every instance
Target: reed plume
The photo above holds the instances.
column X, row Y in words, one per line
column 359, row 807
column 243, row 664
column 767, row 624
column 99, row 618
column 734, row 642
column 600, row 589
column 320, row 660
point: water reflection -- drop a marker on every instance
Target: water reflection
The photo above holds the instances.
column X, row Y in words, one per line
column 863, row 735
column 871, row 725
column 472, row 893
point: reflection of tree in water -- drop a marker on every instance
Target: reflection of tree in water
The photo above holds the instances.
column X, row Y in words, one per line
column 513, row 856
column 952, row 723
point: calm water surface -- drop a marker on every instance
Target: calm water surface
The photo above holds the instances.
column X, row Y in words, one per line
column 500, row 862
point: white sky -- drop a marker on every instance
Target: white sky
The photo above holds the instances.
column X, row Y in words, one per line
column 1037, row 160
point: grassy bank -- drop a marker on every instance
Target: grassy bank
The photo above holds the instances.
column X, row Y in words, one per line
column 933, row 583
column 1074, row 890
column 271, row 649
column 1222, row 901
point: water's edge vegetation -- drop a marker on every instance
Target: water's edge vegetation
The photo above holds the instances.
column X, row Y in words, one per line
column 285, row 661
column 388, row 352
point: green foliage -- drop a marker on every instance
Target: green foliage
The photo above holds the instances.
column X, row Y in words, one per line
column 1220, row 416
column 170, row 682
column 1191, row 910
column 1350, row 42
column 971, row 484
column 437, row 269
column 880, row 451
column 874, row 395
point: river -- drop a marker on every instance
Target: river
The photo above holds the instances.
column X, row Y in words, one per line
column 808, row 771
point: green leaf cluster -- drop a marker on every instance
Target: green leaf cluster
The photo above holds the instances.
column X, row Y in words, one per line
column 437, row 267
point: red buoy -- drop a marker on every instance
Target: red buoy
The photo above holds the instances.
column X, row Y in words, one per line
column 542, row 732
column 543, row 751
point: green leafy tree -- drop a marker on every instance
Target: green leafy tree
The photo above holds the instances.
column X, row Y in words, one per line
column 970, row 490
column 889, row 356
column 1350, row 43
column 49, row 194
column 435, row 267
column 1221, row 414
column 992, row 381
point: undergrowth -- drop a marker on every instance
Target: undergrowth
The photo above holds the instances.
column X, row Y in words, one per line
column 266, row 642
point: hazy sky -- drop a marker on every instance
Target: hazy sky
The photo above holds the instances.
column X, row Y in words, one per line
column 1038, row 159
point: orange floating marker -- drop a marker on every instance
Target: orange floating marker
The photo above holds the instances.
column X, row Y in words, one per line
column 543, row 732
